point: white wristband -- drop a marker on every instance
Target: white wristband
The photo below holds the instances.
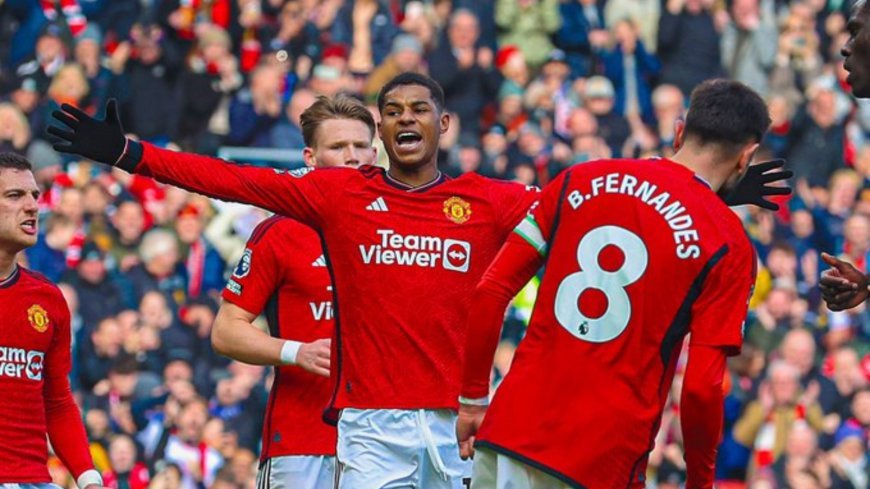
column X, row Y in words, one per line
column 481, row 401
column 289, row 352
column 89, row 477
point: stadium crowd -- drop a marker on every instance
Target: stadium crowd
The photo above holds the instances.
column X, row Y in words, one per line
column 534, row 86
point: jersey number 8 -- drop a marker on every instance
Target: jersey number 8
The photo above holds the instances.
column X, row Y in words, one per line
column 611, row 283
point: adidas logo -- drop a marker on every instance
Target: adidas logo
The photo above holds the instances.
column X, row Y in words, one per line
column 319, row 262
column 379, row 205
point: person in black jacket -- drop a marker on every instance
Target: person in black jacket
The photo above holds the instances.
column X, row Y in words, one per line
column 688, row 44
column 99, row 296
column 465, row 71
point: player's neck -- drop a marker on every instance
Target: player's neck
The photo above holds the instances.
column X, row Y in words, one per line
column 702, row 163
column 7, row 264
column 415, row 177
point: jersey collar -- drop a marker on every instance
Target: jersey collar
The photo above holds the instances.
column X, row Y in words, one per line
column 11, row 279
column 439, row 178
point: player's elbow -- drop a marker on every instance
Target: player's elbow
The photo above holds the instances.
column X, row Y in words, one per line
column 702, row 395
column 219, row 332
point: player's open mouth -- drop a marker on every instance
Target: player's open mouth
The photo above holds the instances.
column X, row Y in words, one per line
column 408, row 141
column 29, row 226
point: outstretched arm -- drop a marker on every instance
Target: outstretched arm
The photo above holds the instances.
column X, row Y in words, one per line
column 286, row 193
column 512, row 268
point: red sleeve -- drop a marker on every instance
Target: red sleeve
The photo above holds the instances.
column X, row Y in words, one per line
column 302, row 194
column 517, row 261
column 258, row 273
column 512, row 268
column 701, row 413
column 719, row 314
column 63, row 419
column 514, row 201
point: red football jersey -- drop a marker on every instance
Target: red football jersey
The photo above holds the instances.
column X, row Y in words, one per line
column 34, row 350
column 404, row 263
column 283, row 272
column 638, row 254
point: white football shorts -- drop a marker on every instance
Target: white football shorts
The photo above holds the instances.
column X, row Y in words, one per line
column 297, row 472
column 397, row 448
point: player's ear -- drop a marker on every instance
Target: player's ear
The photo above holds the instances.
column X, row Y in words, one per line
column 746, row 156
column 308, row 157
column 679, row 133
column 445, row 122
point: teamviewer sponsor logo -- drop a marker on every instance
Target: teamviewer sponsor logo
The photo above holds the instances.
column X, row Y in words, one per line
column 20, row 363
column 456, row 255
column 409, row 250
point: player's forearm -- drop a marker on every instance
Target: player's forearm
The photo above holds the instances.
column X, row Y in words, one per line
column 512, row 268
column 702, row 414
column 240, row 340
column 66, row 431
column 216, row 178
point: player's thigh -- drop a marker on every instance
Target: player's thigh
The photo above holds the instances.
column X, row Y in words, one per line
column 444, row 469
column 496, row 471
column 377, row 449
column 297, row 472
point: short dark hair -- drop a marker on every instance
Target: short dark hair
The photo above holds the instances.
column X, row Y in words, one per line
column 14, row 161
column 726, row 113
column 325, row 108
column 411, row 78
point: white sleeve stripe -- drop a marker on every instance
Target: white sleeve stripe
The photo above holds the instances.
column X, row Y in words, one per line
column 528, row 230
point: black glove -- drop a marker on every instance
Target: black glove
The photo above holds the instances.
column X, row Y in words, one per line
column 754, row 186
column 99, row 140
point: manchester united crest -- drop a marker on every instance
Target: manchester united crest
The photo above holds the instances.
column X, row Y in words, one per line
column 457, row 210
column 38, row 317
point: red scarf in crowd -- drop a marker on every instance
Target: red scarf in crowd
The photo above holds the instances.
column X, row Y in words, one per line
column 72, row 11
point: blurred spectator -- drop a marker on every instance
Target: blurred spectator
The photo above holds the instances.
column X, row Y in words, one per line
column 582, row 33
column 179, row 441
column 51, row 53
column 287, row 133
column 749, row 43
column 798, row 60
column 849, row 465
column 210, row 76
column 100, row 297
column 774, row 318
column 668, row 107
column 688, row 44
column 205, row 267
column 128, row 222
column 632, row 70
column 767, row 423
column 159, row 270
column 465, row 70
column 89, row 55
column 97, row 355
column 149, row 83
column 406, row 55
column 645, row 14
column 599, row 100
column 255, row 110
column 798, row 348
column 367, row 27
column 296, row 36
column 816, row 139
column 528, row 24
column 126, row 472
column 14, row 129
column 26, row 97
column 48, row 255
